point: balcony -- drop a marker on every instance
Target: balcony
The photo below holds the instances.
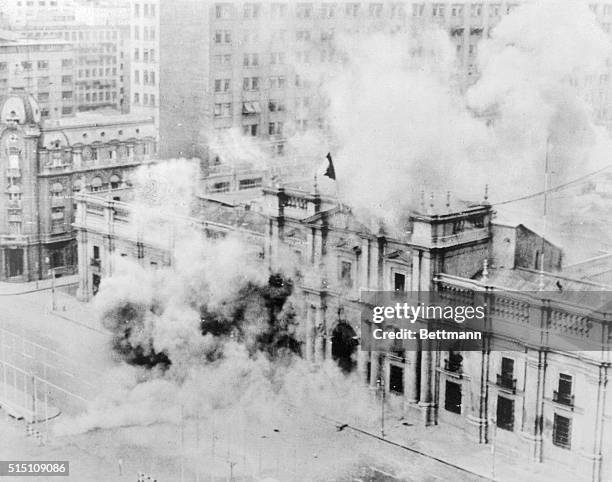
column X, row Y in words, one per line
column 563, row 398
column 506, row 382
column 453, row 366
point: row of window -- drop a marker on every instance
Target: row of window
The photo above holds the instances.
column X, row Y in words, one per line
column 148, row 55
column 148, row 33
column 148, row 77
column 98, row 96
column 352, row 10
column 224, row 109
column 254, row 84
column 147, row 99
column 148, row 9
column 85, row 73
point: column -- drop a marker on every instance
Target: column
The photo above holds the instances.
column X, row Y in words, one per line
column 411, row 376
column 319, row 348
column 309, row 346
column 534, row 393
column 374, row 368
column 426, row 393
column 362, row 363
column 84, row 274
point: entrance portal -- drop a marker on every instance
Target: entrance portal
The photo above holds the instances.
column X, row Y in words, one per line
column 344, row 345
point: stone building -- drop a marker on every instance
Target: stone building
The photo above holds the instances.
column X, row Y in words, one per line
column 538, row 395
column 43, row 164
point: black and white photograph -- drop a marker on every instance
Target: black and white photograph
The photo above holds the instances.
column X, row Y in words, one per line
column 305, row 241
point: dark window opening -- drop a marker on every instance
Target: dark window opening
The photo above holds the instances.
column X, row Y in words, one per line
column 452, row 401
column 346, row 275
column 562, row 431
column 396, row 379
column 344, row 346
column 454, row 362
column 399, row 282
column 505, row 413
column 506, row 379
column 563, row 394
column 15, row 262
column 95, row 283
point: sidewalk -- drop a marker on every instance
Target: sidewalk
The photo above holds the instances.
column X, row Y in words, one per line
column 10, row 289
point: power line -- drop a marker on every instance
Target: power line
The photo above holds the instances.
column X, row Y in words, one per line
column 554, row 189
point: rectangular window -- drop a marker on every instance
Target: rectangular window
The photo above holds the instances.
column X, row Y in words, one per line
column 43, row 64
column 396, row 379
column 563, row 394
column 250, row 183
column 505, row 413
column 278, row 10
column 346, row 273
column 304, row 10
column 562, row 427
column 399, row 282
column 452, row 401
column 250, row 130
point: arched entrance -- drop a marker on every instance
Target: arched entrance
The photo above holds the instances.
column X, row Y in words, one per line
column 344, row 345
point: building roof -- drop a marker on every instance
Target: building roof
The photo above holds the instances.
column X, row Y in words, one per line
column 19, row 107
column 524, row 279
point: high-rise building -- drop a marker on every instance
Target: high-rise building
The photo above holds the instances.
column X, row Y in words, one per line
column 44, row 68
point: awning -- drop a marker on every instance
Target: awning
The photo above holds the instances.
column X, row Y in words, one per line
column 96, row 182
column 114, row 178
column 251, row 108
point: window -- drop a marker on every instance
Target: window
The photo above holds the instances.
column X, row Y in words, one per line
column 136, row 10
column 457, row 10
column 251, row 60
column 43, row 64
column 346, row 273
column 223, row 36
column 275, row 128
column 399, row 282
column 302, row 57
column 328, row 10
column 351, row 10
column 222, row 85
column 26, row 65
column 562, row 427
column 66, row 110
column 277, row 58
column 67, row 95
column 223, row 10
column 250, row 83
column 278, row 10
column 66, row 79
column 476, row 9
column 506, row 378
column 66, row 62
column 505, row 413
column 452, row 401
column 563, row 394
column 225, row 59
column 277, row 82
column 375, row 10
column 304, row 10
column 396, row 379
column 223, row 109
column 249, row 183
column 43, row 97
column 418, row 9
column 96, row 252
column 251, row 10
column 250, row 130
column 437, row 10
column 276, row 106
column 115, row 181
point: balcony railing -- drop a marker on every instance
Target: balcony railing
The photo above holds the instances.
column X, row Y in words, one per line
column 507, row 382
column 452, row 366
column 563, row 398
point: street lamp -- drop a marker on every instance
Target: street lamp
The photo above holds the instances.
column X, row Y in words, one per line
column 380, row 382
column 52, row 272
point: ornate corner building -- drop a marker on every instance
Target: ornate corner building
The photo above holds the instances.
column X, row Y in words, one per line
column 43, row 164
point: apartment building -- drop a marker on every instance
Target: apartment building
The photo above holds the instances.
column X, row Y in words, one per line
column 98, row 61
column 206, row 67
column 44, row 68
column 19, row 13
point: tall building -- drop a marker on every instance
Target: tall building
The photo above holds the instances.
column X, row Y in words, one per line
column 98, row 60
column 44, row 68
column 18, row 13
column 43, row 164
column 205, row 67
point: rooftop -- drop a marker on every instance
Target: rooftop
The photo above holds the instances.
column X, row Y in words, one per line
column 95, row 119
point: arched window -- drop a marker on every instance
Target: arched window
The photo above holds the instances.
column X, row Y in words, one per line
column 77, row 186
column 115, row 181
column 96, row 184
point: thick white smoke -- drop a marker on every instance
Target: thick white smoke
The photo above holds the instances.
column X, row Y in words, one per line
column 403, row 124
